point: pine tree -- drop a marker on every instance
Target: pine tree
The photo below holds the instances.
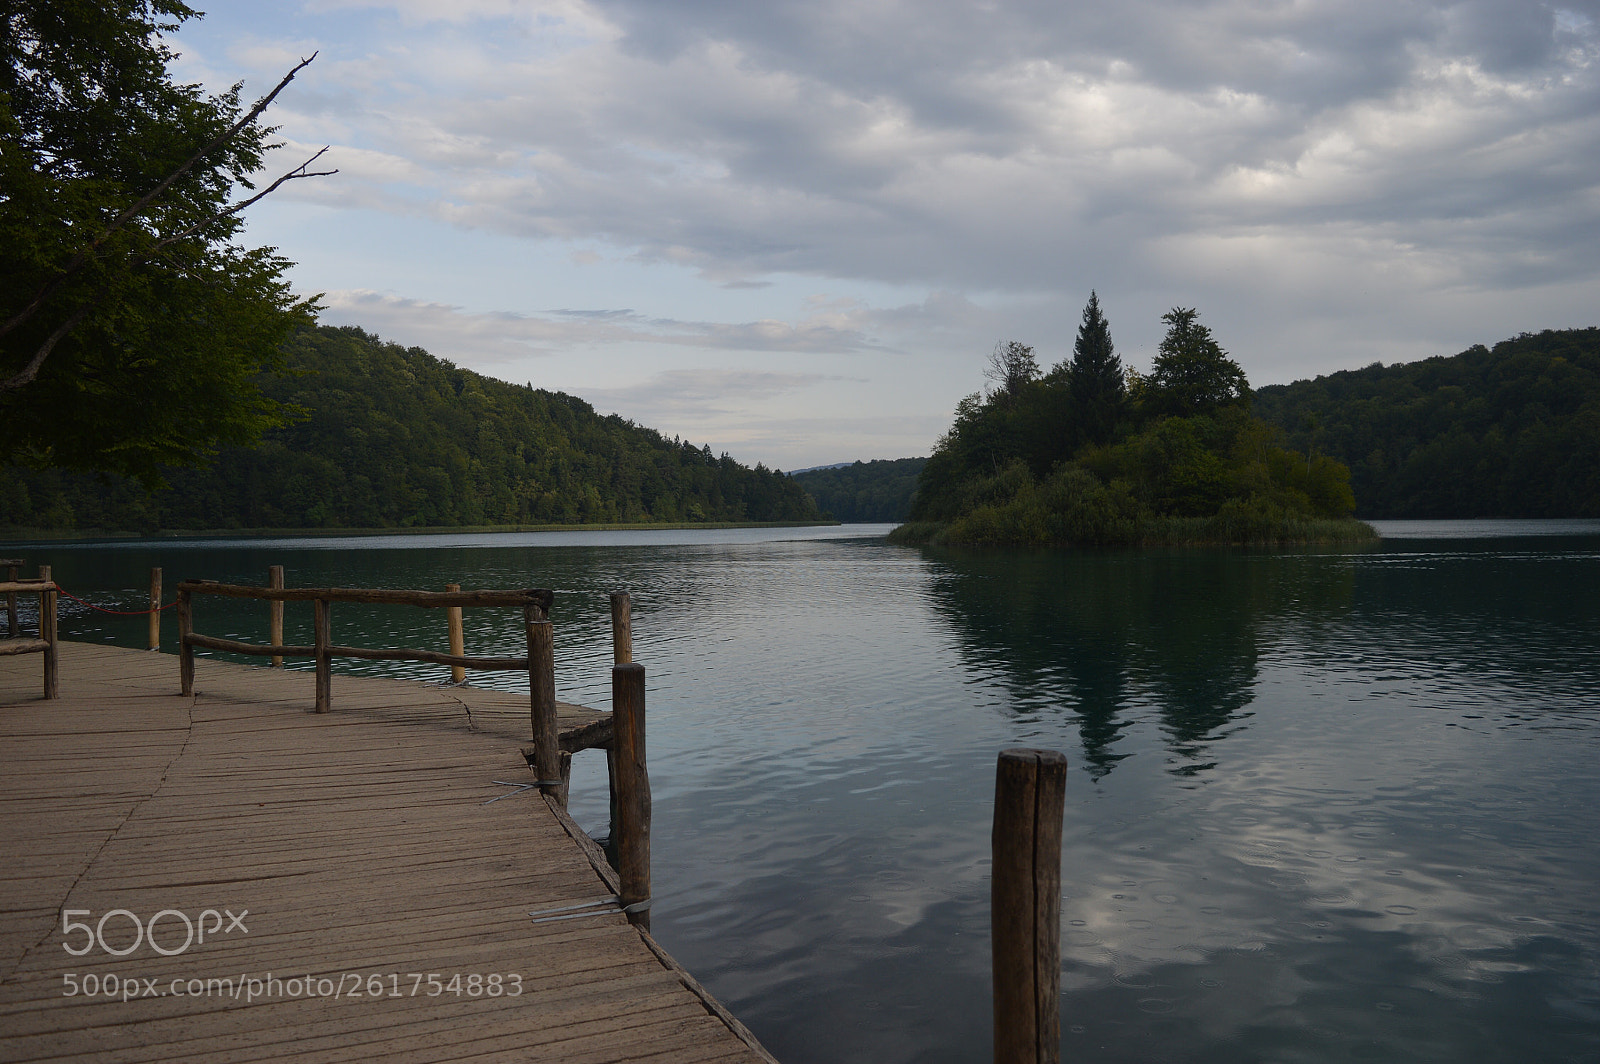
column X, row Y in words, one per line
column 1095, row 376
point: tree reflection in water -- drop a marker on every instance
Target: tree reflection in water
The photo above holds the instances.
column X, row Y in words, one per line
column 1113, row 637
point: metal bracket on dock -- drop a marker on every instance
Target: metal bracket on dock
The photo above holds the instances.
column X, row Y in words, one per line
column 599, row 907
column 520, row 787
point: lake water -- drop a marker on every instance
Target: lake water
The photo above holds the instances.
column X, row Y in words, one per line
column 1322, row 805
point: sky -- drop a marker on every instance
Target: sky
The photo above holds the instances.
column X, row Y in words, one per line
column 795, row 231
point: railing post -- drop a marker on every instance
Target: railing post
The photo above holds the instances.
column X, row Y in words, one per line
column 621, row 628
column 275, row 613
column 542, row 700
column 155, row 609
column 185, row 610
column 322, row 623
column 458, row 637
column 1025, row 905
column 631, row 789
column 11, row 600
column 47, row 632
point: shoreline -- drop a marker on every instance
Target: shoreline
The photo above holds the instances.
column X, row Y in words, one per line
column 1151, row 533
column 30, row 535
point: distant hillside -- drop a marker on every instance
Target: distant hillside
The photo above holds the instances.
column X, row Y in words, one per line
column 1508, row 432
column 868, row 492
column 394, row 437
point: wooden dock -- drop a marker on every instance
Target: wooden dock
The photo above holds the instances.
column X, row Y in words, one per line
column 365, row 846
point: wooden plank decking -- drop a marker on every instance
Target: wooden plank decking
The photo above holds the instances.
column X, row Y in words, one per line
column 361, row 844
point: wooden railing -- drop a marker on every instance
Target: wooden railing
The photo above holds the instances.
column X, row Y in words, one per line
column 539, row 662
column 45, row 644
column 12, row 566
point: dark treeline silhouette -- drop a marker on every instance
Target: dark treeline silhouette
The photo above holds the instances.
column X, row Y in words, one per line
column 1512, row 431
column 867, row 492
column 392, row 436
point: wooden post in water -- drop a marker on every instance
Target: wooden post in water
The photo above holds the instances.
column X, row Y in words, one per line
column 275, row 614
column 185, row 610
column 322, row 625
column 631, row 788
column 621, row 628
column 542, row 700
column 13, row 566
column 1025, row 906
column 47, row 632
column 621, row 654
column 458, row 637
column 155, row 609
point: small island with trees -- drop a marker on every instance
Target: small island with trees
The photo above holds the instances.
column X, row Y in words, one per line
column 1093, row 454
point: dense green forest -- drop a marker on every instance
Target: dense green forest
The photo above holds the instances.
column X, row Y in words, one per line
column 1090, row 453
column 392, row 437
column 1508, row 432
column 866, row 492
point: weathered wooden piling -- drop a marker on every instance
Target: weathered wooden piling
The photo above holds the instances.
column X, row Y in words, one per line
column 631, row 788
column 154, row 641
column 458, row 637
column 322, row 638
column 185, row 612
column 275, row 613
column 13, row 568
column 47, row 632
column 1025, row 905
column 542, row 697
column 621, row 628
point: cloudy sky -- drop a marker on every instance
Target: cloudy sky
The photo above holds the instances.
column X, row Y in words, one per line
column 795, row 230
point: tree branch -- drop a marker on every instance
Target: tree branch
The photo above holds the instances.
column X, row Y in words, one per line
column 31, row 370
column 49, row 289
column 231, row 132
column 293, row 175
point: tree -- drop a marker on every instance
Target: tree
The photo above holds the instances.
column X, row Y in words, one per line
column 1011, row 367
column 1095, row 376
column 133, row 329
column 1192, row 374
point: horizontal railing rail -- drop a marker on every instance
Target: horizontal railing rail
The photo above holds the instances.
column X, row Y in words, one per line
column 539, row 662
column 540, row 597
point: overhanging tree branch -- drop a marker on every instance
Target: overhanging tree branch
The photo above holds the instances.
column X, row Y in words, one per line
column 30, row 371
column 293, row 175
column 82, row 258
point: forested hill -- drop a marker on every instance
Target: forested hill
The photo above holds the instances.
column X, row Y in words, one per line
column 877, row 491
column 1508, row 432
column 394, row 437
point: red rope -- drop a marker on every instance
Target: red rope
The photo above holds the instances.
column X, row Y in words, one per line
column 119, row 613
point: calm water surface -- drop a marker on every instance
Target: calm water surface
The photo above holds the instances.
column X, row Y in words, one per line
column 1323, row 805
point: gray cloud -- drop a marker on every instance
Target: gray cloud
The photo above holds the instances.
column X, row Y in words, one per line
column 1330, row 181
column 948, row 145
column 833, row 329
column 701, row 393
